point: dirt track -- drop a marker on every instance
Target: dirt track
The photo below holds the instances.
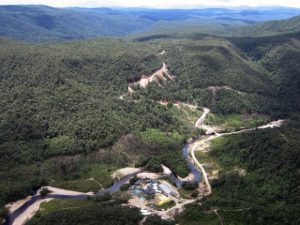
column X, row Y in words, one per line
column 195, row 146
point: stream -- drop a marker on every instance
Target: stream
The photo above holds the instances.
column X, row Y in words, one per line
column 193, row 169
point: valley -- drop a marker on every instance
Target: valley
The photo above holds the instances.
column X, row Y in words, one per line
column 28, row 207
column 127, row 116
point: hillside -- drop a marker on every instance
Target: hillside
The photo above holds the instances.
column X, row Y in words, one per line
column 62, row 100
column 58, row 82
column 280, row 56
column 48, row 89
column 260, row 73
column 219, row 27
column 269, row 28
column 42, row 23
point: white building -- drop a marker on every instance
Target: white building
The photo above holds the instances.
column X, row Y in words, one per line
column 167, row 189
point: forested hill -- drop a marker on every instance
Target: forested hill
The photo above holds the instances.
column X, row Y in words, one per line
column 269, row 28
column 64, row 98
column 181, row 28
column 280, row 56
column 47, row 89
column 41, row 23
column 264, row 69
column 61, row 81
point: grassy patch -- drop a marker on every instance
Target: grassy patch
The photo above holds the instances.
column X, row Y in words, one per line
column 162, row 139
column 185, row 193
column 101, row 214
column 167, row 205
column 102, row 174
column 77, row 185
column 60, row 204
column 186, row 115
column 236, row 121
column 94, row 178
column 219, row 142
column 207, row 159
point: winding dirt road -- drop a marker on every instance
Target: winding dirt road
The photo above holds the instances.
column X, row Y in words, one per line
column 197, row 145
column 201, row 120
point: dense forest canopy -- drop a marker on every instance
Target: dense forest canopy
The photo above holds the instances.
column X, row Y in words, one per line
column 101, row 214
column 258, row 74
column 66, row 113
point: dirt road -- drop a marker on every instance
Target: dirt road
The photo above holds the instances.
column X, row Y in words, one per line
column 198, row 145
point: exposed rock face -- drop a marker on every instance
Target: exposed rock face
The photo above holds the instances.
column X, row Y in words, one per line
column 161, row 75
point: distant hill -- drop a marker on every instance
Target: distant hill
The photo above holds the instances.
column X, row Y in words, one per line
column 242, row 15
column 42, row 23
column 269, row 28
column 217, row 27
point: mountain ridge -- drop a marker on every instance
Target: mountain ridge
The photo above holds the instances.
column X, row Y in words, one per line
column 39, row 23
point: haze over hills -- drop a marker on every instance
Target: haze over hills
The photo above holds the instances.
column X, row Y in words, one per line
column 175, row 95
column 269, row 28
column 42, row 23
